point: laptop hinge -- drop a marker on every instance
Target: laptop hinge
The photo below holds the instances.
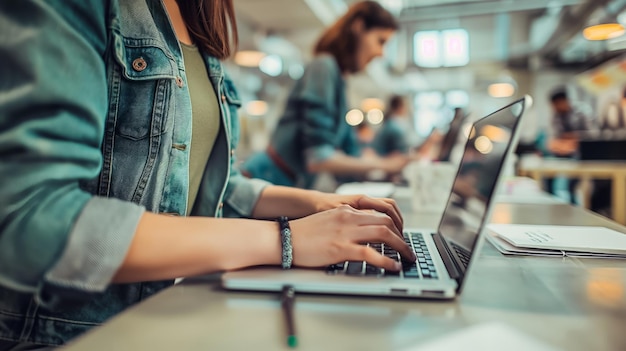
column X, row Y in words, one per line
column 446, row 256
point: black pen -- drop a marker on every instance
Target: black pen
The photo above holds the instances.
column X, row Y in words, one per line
column 287, row 299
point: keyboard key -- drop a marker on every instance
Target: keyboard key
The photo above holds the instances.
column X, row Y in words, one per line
column 335, row 268
column 392, row 273
column 411, row 274
column 372, row 270
column 355, row 268
column 406, row 265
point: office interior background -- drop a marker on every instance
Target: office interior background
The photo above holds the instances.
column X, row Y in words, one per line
column 473, row 54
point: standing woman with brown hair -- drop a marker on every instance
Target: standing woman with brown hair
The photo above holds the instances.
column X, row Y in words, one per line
column 118, row 123
column 312, row 136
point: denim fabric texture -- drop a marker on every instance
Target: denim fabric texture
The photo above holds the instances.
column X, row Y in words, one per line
column 311, row 129
column 95, row 124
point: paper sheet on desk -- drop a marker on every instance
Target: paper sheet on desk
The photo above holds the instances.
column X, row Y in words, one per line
column 485, row 337
column 507, row 249
column 589, row 239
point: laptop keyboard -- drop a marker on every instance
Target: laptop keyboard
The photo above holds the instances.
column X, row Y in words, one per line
column 463, row 254
column 422, row 268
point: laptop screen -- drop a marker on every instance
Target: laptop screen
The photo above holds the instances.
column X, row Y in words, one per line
column 451, row 137
column 485, row 152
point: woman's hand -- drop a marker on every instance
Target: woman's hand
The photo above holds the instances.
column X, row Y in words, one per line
column 326, row 201
column 335, row 236
column 296, row 203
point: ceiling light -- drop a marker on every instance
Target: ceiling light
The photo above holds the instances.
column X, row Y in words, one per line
column 249, row 58
column 296, row 71
column 272, row 65
column 603, row 31
column 256, row 108
column 354, row 117
column 483, row 145
column 501, row 90
column 375, row 116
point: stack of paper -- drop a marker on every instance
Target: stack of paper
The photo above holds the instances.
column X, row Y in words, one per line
column 551, row 240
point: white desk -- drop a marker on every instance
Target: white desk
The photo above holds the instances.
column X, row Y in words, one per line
column 571, row 304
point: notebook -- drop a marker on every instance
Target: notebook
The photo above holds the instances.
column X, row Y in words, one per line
column 445, row 254
column 553, row 240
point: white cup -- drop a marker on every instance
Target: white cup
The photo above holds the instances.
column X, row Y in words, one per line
column 430, row 184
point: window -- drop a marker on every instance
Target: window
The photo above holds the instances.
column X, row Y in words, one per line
column 446, row 48
column 455, row 50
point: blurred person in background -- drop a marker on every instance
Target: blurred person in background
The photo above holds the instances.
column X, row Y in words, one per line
column 562, row 142
column 393, row 136
column 312, row 135
column 98, row 166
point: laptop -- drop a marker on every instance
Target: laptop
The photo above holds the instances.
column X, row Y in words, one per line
column 450, row 139
column 445, row 254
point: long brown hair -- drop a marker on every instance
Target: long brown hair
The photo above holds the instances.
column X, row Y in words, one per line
column 341, row 41
column 212, row 25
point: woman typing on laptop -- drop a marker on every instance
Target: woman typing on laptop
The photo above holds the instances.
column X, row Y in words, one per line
column 312, row 136
column 117, row 125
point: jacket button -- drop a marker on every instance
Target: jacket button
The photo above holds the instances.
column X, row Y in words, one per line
column 139, row 64
column 223, row 97
column 221, row 205
column 232, row 152
column 179, row 82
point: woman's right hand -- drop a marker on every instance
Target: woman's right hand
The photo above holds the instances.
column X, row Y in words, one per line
column 335, row 236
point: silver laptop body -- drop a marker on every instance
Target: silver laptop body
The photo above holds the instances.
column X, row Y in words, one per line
column 451, row 248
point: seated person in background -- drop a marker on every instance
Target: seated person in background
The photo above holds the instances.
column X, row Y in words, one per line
column 392, row 137
column 312, row 136
column 397, row 135
column 566, row 127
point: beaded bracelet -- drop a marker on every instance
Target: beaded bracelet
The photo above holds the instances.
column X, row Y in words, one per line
column 285, row 239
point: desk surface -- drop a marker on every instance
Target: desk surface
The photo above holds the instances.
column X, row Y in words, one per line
column 571, row 304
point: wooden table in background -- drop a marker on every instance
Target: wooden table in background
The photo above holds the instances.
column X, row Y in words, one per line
column 586, row 171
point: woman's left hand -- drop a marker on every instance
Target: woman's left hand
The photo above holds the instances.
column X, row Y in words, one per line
column 327, row 201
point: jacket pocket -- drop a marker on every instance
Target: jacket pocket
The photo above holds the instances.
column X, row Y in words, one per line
column 147, row 73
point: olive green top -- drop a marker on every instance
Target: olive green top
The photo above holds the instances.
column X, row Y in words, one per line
column 205, row 115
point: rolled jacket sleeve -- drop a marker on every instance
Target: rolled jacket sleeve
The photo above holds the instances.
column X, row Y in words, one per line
column 242, row 194
column 53, row 102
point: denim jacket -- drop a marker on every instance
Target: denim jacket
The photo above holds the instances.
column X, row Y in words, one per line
column 311, row 129
column 95, row 124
